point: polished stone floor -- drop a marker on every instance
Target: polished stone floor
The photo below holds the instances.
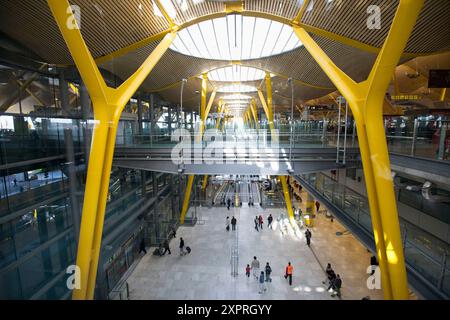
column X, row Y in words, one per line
column 206, row 272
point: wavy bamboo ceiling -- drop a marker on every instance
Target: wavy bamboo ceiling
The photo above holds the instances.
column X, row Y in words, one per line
column 339, row 27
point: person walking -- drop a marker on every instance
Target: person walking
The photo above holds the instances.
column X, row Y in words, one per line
column 174, row 232
column 330, row 274
column 166, row 247
column 308, row 237
column 227, row 223
column 182, row 247
column 233, row 223
column 262, row 285
column 260, row 222
column 255, row 267
column 256, row 223
column 228, row 203
column 247, row 271
column 317, row 203
column 289, row 271
column 268, row 272
column 142, row 247
column 269, row 221
column 336, row 285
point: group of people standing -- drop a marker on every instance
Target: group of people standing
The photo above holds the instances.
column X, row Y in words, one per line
column 259, row 222
column 334, row 281
column 233, row 223
column 262, row 277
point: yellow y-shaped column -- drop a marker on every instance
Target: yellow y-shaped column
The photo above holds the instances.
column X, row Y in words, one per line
column 108, row 104
column 187, row 195
column 208, row 109
column 366, row 101
column 254, row 112
column 267, row 106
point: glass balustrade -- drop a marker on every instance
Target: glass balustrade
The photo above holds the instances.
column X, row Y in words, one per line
column 423, row 252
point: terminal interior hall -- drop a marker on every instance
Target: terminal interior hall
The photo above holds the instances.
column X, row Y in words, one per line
column 224, row 150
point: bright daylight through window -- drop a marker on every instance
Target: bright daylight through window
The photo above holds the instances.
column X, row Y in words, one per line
column 235, row 37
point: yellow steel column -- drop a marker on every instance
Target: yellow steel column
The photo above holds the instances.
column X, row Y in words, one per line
column 348, row 88
column 108, row 104
column 269, row 100
column 269, row 114
column 443, row 92
column 187, row 195
column 365, row 100
column 377, row 83
column 254, row 113
column 219, row 114
column 208, row 109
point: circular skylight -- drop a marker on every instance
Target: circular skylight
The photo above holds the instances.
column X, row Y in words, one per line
column 236, row 73
column 237, row 88
column 236, row 97
column 235, row 37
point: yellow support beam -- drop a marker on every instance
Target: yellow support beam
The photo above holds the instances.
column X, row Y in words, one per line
column 207, row 110
column 443, row 92
column 219, row 113
column 203, row 115
column 210, row 103
column 164, row 12
column 300, row 13
column 269, row 114
column 264, row 104
column 133, row 47
column 108, row 104
column 254, row 112
column 366, row 101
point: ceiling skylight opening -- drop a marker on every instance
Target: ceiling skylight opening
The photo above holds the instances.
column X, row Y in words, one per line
column 236, row 73
column 237, row 88
column 236, row 97
column 235, row 38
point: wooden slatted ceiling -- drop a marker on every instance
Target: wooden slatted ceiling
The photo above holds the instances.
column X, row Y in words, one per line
column 432, row 30
column 297, row 64
column 348, row 18
column 283, row 8
column 110, row 25
column 280, row 99
column 31, row 24
column 195, row 10
column 105, row 25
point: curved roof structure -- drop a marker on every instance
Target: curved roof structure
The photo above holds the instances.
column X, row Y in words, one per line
column 122, row 33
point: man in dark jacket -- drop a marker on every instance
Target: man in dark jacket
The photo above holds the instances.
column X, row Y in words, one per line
column 142, row 247
column 308, row 237
column 181, row 247
column 268, row 272
column 166, row 247
column 336, row 285
column 233, row 223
